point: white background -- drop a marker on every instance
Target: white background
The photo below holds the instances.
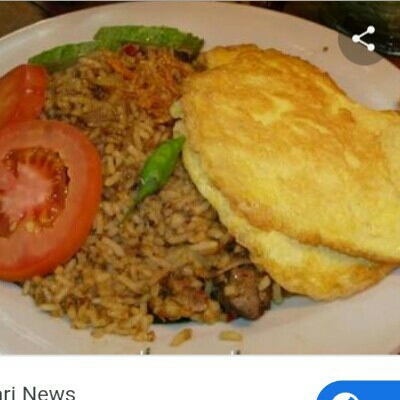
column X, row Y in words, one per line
column 200, row 377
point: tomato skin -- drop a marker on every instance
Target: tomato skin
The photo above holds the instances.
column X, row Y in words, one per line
column 22, row 93
column 24, row 254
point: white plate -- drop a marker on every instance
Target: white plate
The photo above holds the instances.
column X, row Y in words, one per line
column 367, row 323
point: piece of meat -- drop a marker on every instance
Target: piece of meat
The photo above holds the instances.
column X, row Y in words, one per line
column 238, row 292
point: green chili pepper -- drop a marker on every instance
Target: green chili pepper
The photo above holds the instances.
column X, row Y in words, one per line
column 157, row 169
column 160, row 36
column 61, row 57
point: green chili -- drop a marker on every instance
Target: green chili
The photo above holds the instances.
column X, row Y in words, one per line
column 61, row 57
column 160, row 36
column 157, row 170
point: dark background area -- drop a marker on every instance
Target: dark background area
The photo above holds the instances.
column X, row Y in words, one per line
column 17, row 14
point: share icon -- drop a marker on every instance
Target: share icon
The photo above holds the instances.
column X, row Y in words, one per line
column 357, row 38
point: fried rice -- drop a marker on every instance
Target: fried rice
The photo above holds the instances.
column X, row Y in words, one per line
column 160, row 264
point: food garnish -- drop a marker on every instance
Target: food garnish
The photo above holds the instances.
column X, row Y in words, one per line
column 157, row 169
column 22, row 93
column 50, row 187
column 63, row 56
column 160, row 36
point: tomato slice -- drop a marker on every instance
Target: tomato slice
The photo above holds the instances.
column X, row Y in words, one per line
column 22, row 93
column 50, row 190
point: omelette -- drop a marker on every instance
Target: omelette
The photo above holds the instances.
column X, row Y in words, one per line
column 300, row 174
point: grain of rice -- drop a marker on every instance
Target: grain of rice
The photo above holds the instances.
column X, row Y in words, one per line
column 49, row 307
column 181, row 337
column 98, row 333
column 277, row 296
column 101, row 276
column 176, row 220
column 231, row 336
column 61, row 294
column 264, row 283
column 206, row 248
column 90, row 62
column 136, row 287
column 160, row 262
column 215, row 233
column 200, row 208
column 26, row 288
column 98, row 225
column 117, row 249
